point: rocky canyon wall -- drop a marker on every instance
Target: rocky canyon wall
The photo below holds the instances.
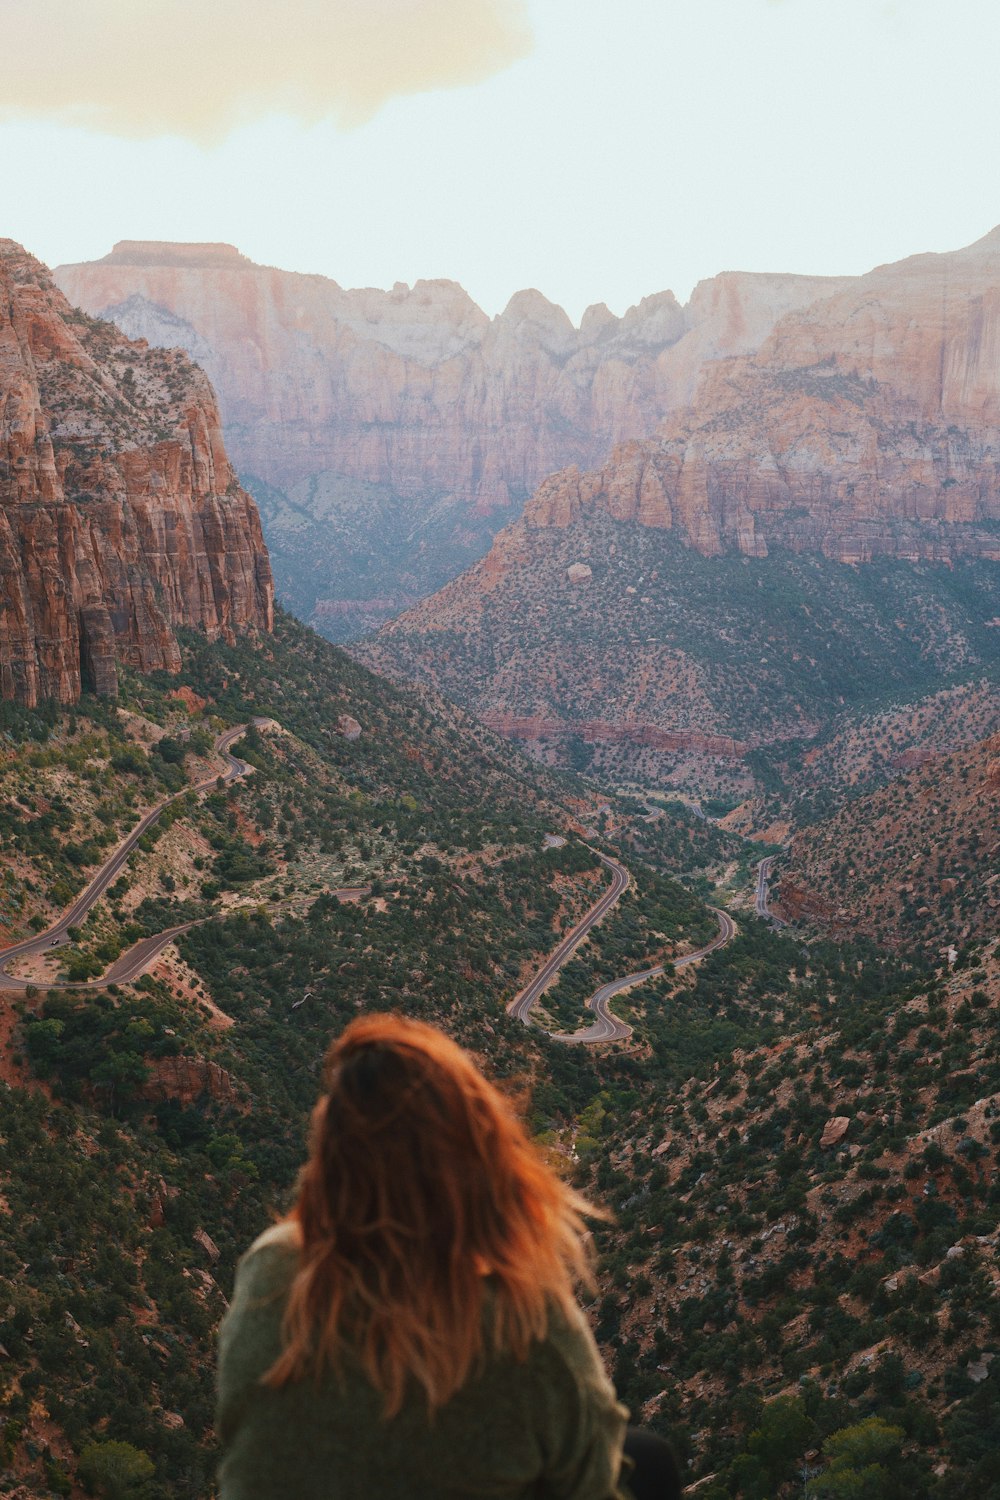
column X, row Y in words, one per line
column 867, row 423
column 417, row 388
column 855, row 417
column 120, row 516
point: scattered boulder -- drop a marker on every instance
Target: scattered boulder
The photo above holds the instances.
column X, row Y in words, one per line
column 834, row 1130
column 579, row 573
column 348, row 727
column 209, row 1246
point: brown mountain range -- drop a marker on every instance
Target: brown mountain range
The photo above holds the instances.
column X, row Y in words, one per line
column 120, row 516
column 864, row 430
column 850, row 415
column 868, row 422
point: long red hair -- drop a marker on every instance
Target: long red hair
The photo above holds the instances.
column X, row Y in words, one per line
column 420, row 1182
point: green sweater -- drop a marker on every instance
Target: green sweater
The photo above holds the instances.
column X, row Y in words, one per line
column 546, row 1428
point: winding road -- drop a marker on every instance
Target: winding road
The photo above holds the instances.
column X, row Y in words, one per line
column 606, row 1027
column 761, row 905
column 131, row 964
column 522, row 1005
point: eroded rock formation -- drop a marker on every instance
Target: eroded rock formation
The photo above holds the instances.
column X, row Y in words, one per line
column 120, row 516
column 417, row 388
column 187, row 1079
column 867, row 423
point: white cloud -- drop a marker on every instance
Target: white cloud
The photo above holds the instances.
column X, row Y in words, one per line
column 198, row 68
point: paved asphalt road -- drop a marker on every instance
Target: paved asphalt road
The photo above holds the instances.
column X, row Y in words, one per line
column 128, row 966
column 606, row 1027
column 761, row 904
column 522, row 1005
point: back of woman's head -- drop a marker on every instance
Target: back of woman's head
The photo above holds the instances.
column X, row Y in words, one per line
column 421, row 1181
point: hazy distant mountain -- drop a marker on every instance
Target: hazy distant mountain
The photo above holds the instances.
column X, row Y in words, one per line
column 387, row 435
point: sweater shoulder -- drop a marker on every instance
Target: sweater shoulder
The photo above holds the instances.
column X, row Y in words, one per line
column 269, row 1264
column 285, row 1235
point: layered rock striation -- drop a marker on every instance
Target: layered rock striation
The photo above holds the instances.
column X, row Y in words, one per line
column 394, row 432
column 866, row 423
column 417, row 388
column 120, row 515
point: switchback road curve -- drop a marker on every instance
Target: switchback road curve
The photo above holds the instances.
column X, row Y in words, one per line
column 131, row 964
column 523, row 1004
column 606, row 1027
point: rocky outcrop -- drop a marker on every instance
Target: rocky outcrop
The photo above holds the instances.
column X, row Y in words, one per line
column 348, row 727
column 417, row 388
column 187, row 1079
column 795, row 903
column 834, row 1131
column 867, row 423
column 120, row 516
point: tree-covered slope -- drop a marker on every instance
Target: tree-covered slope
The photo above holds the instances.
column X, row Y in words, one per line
column 151, row 1130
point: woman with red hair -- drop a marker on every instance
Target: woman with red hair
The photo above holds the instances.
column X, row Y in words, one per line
column 410, row 1330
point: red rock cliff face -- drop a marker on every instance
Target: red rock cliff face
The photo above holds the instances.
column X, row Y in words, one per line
column 120, row 516
column 417, row 388
column 866, row 423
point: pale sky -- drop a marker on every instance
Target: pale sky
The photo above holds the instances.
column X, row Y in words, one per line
column 599, row 150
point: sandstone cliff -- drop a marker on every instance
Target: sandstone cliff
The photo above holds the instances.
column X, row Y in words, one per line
column 851, row 416
column 388, row 434
column 867, row 423
column 120, row 516
column 416, row 388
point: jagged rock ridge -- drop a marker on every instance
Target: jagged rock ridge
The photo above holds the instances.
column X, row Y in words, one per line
column 417, row 388
column 867, row 423
column 387, row 435
column 865, row 428
column 120, row 515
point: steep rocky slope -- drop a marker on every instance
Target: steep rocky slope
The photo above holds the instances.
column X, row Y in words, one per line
column 916, row 862
column 389, row 433
column 150, row 1131
column 806, row 1232
column 865, row 431
column 120, row 516
column 672, row 667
